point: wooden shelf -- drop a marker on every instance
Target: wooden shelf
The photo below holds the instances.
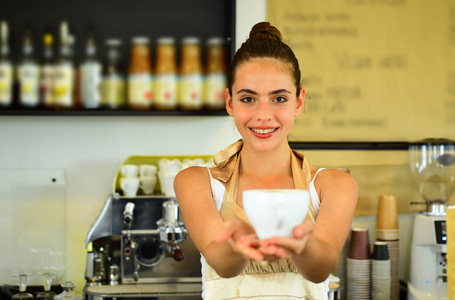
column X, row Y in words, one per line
column 106, row 112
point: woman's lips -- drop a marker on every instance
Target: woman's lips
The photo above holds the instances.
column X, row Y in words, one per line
column 263, row 133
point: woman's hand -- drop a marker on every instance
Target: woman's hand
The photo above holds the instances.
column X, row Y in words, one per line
column 278, row 247
column 242, row 237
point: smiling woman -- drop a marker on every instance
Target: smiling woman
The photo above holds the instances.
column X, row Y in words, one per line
column 264, row 102
column 264, row 97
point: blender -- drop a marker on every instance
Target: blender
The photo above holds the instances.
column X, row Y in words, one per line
column 432, row 163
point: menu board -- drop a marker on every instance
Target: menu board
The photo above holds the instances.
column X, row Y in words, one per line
column 373, row 70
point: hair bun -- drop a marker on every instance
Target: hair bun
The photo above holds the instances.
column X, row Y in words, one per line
column 264, row 30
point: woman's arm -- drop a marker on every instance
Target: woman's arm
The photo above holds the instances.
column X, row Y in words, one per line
column 203, row 222
column 316, row 248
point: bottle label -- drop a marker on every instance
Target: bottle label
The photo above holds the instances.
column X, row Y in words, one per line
column 215, row 86
column 165, row 90
column 190, row 91
column 28, row 75
column 6, row 83
column 140, row 90
column 63, row 85
column 113, row 91
column 46, row 83
column 91, row 85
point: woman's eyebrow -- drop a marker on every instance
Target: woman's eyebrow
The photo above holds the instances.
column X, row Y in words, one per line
column 248, row 91
column 279, row 92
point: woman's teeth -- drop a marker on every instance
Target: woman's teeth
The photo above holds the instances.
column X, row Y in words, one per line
column 263, row 131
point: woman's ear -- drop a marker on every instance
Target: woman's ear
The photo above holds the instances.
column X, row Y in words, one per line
column 228, row 98
column 300, row 102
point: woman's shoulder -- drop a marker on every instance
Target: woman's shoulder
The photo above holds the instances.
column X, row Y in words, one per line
column 333, row 177
column 192, row 175
column 192, row 172
column 192, row 181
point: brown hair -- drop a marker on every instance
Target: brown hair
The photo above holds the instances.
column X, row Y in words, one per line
column 265, row 41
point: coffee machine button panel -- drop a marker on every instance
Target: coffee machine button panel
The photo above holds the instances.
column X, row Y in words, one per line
column 441, row 231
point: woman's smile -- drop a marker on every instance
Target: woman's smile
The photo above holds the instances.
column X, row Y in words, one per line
column 263, row 133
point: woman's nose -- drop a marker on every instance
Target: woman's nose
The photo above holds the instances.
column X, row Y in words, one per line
column 264, row 111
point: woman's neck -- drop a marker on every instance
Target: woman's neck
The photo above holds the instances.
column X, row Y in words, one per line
column 257, row 163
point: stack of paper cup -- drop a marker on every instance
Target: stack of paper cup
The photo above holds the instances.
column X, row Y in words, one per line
column 340, row 271
column 380, row 272
column 358, row 265
column 451, row 251
column 387, row 230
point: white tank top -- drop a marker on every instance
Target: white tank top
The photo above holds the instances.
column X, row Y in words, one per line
column 218, row 190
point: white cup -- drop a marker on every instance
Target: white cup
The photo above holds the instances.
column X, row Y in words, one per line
column 129, row 186
column 275, row 212
column 194, row 162
column 147, row 170
column 148, row 184
column 129, row 170
column 170, row 167
column 167, row 183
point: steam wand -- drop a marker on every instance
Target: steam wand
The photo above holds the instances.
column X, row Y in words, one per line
column 128, row 220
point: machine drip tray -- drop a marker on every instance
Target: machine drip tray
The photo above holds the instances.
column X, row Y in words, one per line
column 175, row 287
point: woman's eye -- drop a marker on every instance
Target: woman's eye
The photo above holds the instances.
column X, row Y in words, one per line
column 247, row 99
column 280, row 99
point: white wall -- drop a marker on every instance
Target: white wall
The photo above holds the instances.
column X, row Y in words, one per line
column 90, row 149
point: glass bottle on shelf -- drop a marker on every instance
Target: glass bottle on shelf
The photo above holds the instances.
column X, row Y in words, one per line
column 28, row 73
column 47, row 294
column 90, row 75
column 6, row 68
column 216, row 74
column 190, row 80
column 76, row 73
column 113, row 81
column 64, row 72
column 165, row 87
column 140, row 75
column 22, row 295
column 47, row 69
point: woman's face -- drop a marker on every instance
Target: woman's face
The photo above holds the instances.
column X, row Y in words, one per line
column 264, row 102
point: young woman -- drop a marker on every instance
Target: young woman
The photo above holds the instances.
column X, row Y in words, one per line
column 264, row 96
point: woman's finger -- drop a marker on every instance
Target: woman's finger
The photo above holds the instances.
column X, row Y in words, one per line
column 232, row 228
column 249, row 253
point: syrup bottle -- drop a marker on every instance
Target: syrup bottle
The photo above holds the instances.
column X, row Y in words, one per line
column 6, row 68
column 165, row 87
column 64, row 79
column 47, row 70
column 216, row 74
column 190, row 81
column 90, row 75
column 113, row 82
column 140, row 75
column 28, row 73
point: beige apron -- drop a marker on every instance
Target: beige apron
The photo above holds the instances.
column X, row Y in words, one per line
column 274, row 280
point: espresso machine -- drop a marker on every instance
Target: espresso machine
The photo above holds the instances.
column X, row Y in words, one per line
column 432, row 164
column 139, row 248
